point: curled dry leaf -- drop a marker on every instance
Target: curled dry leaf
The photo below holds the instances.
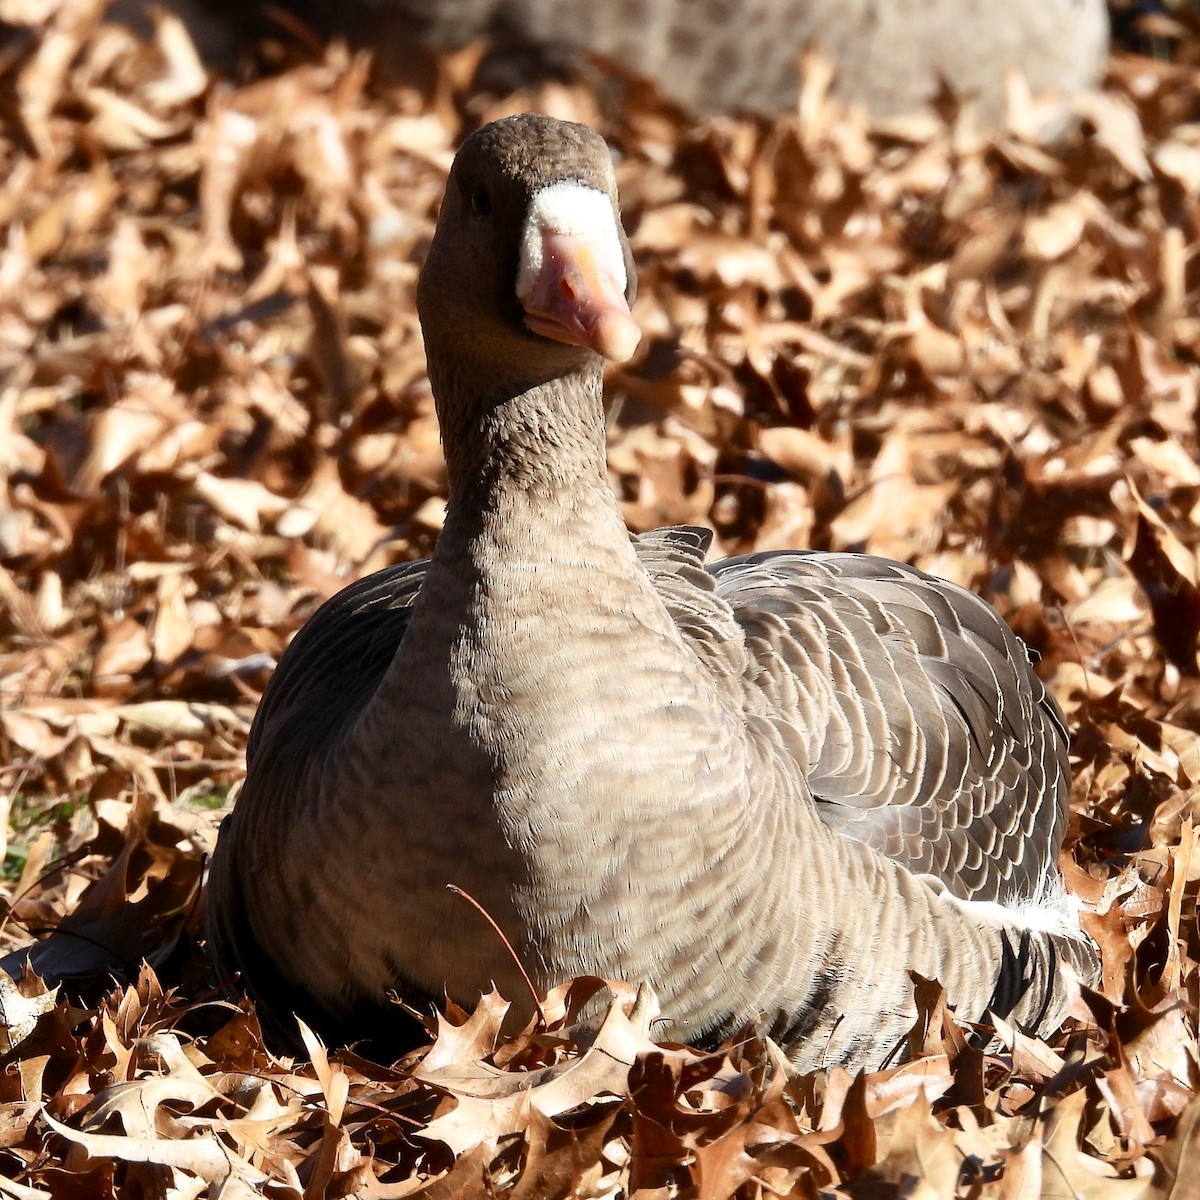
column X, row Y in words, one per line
column 20, row 1011
column 491, row 1104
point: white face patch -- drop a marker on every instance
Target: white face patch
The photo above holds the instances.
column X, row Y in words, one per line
column 576, row 211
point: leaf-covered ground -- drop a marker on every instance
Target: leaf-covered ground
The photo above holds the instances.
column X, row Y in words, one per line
column 979, row 352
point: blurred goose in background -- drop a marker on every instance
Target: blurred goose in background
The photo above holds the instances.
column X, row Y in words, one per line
column 773, row 786
column 717, row 56
column 708, row 56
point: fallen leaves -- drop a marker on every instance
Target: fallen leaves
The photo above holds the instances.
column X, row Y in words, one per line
column 979, row 353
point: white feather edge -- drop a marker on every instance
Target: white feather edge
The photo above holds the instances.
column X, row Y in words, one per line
column 1052, row 909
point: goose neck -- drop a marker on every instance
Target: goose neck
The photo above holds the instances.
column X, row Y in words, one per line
column 542, row 438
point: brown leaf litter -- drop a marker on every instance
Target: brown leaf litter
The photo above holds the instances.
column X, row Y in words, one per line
column 975, row 352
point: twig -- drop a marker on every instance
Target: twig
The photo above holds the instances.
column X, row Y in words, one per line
column 483, row 912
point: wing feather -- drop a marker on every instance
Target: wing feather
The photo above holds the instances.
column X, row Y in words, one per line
column 914, row 711
column 325, row 679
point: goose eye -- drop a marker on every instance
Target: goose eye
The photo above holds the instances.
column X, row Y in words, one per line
column 481, row 203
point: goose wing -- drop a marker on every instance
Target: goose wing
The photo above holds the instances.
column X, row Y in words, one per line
column 325, row 678
column 928, row 735
column 908, row 703
column 333, row 665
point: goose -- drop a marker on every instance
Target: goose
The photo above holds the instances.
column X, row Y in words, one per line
column 773, row 786
column 712, row 56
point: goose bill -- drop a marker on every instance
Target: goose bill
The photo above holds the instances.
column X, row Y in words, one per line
column 577, row 297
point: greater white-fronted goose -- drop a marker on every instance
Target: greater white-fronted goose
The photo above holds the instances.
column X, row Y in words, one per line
column 773, row 786
column 720, row 55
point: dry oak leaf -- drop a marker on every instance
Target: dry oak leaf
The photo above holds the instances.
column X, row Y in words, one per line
column 1178, row 1161
column 110, row 931
column 19, row 1013
column 153, row 1133
column 491, row 1103
column 1166, row 570
column 205, row 1157
column 1066, row 1171
column 918, row 1154
column 333, row 517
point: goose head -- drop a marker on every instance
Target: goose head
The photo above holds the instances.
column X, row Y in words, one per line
column 529, row 277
